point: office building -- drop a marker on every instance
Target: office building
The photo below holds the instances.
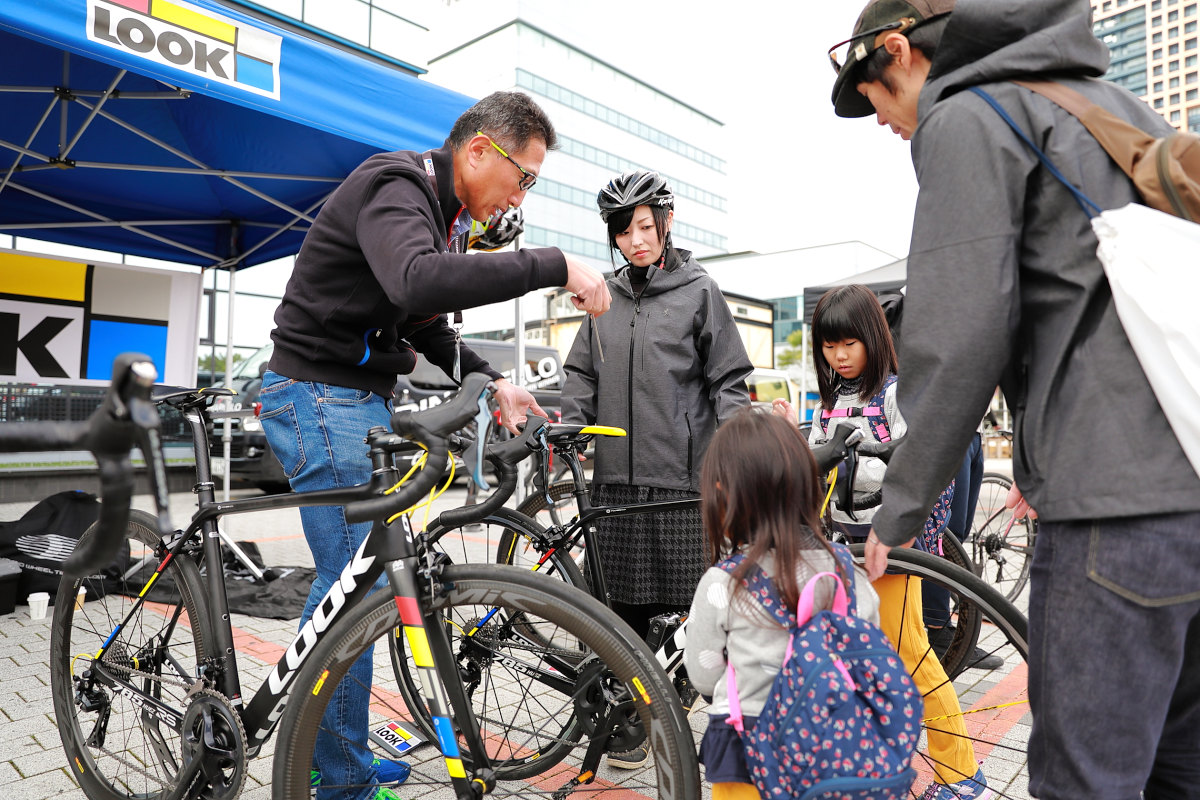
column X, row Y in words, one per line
column 1155, row 46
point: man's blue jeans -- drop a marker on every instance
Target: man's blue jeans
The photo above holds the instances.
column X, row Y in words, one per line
column 318, row 432
column 1114, row 659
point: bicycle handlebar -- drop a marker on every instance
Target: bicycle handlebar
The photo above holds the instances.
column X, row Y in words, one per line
column 125, row 418
column 504, row 456
column 431, row 429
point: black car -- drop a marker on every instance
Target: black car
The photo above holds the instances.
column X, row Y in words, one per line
column 251, row 459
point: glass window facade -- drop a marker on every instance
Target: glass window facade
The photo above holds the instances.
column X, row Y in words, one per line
column 1125, row 35
column 615, row 164
column 560, row 94
column 375, row 26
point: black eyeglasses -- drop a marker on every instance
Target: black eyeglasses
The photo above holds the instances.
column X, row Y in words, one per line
column 900, row 26
column 528, row 179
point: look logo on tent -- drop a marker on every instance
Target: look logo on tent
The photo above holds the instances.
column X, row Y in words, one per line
column 190, row 38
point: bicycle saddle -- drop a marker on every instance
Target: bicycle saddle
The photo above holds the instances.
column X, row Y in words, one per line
column 558, row 433
column 182, row 398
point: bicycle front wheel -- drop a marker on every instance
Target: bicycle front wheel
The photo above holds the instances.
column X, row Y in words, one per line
column 1001, row 545
column 114, row 712
column 537, row 705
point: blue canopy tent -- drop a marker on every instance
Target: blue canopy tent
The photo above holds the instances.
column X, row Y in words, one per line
column 188, row 130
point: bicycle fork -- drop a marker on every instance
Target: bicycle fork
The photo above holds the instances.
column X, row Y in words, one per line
column 426, row 635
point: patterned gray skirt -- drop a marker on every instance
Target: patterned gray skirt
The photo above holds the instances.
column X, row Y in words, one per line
column 650, row 558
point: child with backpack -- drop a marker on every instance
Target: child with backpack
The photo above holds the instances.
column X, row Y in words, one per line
column 855, row 361
column 760, row 502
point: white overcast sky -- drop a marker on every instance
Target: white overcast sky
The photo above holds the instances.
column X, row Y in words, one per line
column 799, row 175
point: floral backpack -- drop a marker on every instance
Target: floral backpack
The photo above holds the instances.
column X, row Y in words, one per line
column 843, row 717
column 935, row 523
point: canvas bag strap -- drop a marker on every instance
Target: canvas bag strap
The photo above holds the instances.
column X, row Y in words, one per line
column 1121, row 140
column 1089, row 208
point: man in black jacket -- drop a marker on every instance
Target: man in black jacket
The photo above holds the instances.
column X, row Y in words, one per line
column 378, row 272
column 1005, row 288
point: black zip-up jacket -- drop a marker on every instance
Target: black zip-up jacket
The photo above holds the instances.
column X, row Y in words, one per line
column 374, row 280
column 674, row 367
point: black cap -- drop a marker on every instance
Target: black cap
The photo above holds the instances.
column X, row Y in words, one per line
column 878, row 19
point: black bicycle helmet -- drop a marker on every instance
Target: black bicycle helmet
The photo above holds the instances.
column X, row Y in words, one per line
column 501, row 232
column 639, row 187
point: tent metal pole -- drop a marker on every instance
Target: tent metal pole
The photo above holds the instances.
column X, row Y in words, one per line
column 227, row 434
column 108, row 93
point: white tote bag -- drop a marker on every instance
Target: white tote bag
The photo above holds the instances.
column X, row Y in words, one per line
column 1152, row 261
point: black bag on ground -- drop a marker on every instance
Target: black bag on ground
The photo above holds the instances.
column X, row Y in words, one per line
column 43, row 539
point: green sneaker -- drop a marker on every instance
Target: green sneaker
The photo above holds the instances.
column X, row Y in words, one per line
column 385, row 793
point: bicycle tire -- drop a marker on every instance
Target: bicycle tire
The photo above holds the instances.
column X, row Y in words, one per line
column 118, row 750
column 504, row 662
column 995, row 712
column 1001, row 546
column 967, row 616
column 503, row 531
column 562, row 493
column 966, row 634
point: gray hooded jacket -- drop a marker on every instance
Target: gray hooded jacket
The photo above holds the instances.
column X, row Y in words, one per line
column 1005, row 287
column 674, row 366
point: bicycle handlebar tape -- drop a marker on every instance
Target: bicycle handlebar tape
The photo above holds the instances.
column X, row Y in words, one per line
column 457, row 517
column 440, row 421
column 431, row 428
column 504, row 456
column 112, row 431
column 521, row 446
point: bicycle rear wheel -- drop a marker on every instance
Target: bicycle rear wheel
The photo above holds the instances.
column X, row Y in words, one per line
column 506, row 537
column 537, row 705
column 559, row 511
column 993, row 705
column 1001, row 545
column 118, row 744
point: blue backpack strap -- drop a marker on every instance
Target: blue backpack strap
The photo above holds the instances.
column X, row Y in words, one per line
column 763, row 590
column 877, row 401
column 846, row 560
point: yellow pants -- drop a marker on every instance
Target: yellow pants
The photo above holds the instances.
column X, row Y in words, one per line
column 900, row 611
column 735, row 791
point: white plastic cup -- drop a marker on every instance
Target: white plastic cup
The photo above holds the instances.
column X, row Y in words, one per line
column 38, row 603
column 80, row 598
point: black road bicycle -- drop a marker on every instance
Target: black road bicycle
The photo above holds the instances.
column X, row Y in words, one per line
column 148, row 695
column 998, row 728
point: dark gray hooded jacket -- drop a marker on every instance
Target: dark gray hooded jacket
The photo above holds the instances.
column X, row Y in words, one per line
column 1005, row 287
column 674, row 366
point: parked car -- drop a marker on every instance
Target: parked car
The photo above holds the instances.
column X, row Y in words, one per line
column 251, row 459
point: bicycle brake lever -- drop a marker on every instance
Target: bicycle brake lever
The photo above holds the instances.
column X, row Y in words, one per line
column 473, row 455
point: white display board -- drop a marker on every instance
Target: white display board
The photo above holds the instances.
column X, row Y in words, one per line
column 63, row 320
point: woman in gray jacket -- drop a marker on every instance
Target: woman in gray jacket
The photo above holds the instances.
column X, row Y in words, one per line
column 665, row 363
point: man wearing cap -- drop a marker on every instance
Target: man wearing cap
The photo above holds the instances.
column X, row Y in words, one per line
column 1004, row 287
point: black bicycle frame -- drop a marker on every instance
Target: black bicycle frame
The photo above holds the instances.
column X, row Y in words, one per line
column 386, row 545
column 571, row 532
